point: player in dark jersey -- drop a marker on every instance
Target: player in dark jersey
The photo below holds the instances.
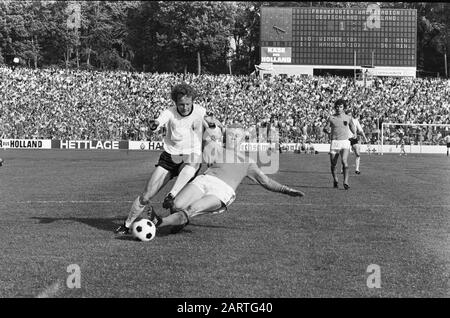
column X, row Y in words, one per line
column 338, row 128
column 214, row 190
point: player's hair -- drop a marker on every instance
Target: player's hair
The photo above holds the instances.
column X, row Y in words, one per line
column 181, row 90
column 339, row 102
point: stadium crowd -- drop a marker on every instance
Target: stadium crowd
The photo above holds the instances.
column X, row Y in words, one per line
column 116, row 105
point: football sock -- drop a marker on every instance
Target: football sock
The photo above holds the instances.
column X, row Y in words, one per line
column 345, row 169
column 178, row 218
column 136, row 209
column 357, row 160
column 185, row 175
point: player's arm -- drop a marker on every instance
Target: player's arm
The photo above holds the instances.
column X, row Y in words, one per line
column 361, row 131
column 327, row 128
column 257, row 175
column 220, row 125
column 163, row 118
column 204, row 123
column 352, row 127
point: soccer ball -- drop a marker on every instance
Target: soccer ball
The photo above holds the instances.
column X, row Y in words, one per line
column 143, row 230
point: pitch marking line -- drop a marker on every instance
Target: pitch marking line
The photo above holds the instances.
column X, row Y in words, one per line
column 247, row 204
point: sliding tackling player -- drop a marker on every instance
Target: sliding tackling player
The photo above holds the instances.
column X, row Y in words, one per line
column 214, row 190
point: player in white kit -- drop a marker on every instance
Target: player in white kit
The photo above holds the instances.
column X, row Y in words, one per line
column 354, row 139
column 212, row 140
column 182, row 153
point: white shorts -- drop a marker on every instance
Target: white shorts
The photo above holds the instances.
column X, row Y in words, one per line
column 211, row 185
column 338, row 145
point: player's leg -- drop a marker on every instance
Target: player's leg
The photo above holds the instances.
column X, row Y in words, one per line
column 448, row 147
column 179, row 219
column 334, row 156
column 356, row 150
column 344, row 154
column 187, row 173
column 159, row 179
column 204, row 204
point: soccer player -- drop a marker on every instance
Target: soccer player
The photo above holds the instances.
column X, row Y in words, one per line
column 212, row 139
column 214, row 190
column 447, row 140
column 183, row 141
column 337, row 127
column 1, row 162
column 402, row 146
column 354, row 140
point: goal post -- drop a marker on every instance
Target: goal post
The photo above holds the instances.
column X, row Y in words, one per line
column 417, row 138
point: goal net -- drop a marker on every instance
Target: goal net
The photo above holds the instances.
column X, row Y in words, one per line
column 413, row 138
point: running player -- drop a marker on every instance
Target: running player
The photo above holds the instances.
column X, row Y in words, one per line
column 447, row 140
column 184, row 123
column 214, row 190
column 337, row 127
column 354, row 140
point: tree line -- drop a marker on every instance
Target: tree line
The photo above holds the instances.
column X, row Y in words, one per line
column 170, row 36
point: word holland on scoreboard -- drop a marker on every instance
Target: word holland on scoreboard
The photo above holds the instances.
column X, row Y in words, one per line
column 331, row 36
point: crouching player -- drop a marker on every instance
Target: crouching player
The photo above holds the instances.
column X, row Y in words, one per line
column 214, row 190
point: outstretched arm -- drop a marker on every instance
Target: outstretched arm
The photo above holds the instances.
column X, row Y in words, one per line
column 360, row 130
column 157, row 123
column 257, row 175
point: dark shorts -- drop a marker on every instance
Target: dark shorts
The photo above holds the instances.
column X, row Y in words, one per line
column 448, row 145
column 353, row 141
column 165, row 161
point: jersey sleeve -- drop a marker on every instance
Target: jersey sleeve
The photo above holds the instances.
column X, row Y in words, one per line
column 257, row 175
column 201, row 111
column 164, row 117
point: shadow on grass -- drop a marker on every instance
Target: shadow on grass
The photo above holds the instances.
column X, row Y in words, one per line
column 110, row 224
column 104, row 224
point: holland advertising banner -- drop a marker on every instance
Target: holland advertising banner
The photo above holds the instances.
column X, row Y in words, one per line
column 146, row 145
column 276, row 55
column 90, row 144
column 25, row 143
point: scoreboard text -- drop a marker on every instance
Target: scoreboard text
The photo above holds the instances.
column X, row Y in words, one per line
column 333, row 36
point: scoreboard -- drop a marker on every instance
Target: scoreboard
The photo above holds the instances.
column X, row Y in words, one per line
column 338, row 36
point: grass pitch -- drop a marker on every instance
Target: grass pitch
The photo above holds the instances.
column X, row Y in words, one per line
column 60, row 208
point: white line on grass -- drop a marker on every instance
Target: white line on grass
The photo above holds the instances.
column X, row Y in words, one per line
column 248, row 204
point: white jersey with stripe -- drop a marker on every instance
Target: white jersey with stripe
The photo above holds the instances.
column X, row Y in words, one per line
column 358, row 128
column 183, row 133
